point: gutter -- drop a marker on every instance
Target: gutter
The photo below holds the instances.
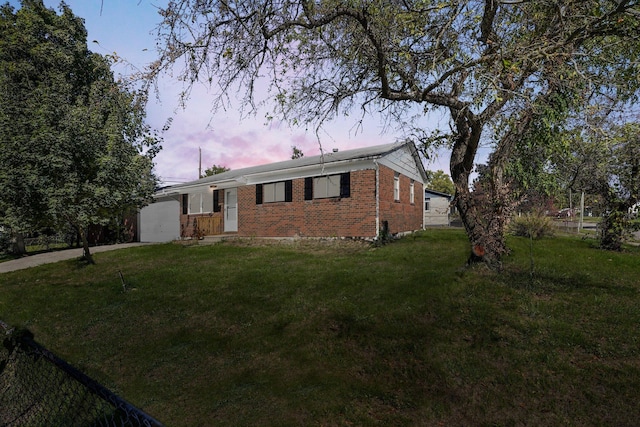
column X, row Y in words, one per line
column 260, row 177
column 375, row 162
column 171, row 191
column 255, row 177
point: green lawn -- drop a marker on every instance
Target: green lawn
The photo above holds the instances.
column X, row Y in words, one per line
column 330, row 334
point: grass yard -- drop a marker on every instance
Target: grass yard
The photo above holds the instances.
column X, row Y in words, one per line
column 343, row 334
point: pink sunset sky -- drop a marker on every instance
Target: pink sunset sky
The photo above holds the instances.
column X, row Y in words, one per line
column 126, row 28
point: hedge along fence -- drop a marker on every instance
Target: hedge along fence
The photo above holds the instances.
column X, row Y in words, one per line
column 37, row 388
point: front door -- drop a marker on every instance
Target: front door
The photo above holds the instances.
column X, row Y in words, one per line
column 231, row 209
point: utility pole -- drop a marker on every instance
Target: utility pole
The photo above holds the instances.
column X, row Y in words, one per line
column 570, row 202
column 199, row 162
column 581, row 223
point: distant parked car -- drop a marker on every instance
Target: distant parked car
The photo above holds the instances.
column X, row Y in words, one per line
column 566, row 213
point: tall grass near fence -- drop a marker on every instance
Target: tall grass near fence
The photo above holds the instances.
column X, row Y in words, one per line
column 345, row 334
column 37, row 388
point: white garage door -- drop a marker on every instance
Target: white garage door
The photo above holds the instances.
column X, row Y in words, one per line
column 160, row 221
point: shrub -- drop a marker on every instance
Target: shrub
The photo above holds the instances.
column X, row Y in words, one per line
column 5, row 241
column 634, row 224
column 532, row 224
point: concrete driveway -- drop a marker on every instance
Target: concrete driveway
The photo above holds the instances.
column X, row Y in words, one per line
column 51, row 257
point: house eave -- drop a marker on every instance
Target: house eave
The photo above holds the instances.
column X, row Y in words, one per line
column 438, row 193
column 326, row 166
column 181, row 189
column 312, row 170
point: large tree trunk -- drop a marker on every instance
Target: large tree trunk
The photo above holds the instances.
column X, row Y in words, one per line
column 484, row 224
column 18, row 246
column 86, row 253
column 486, row 212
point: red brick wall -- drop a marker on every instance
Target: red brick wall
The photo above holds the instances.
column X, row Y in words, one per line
column 352, row 216
column 401, row 215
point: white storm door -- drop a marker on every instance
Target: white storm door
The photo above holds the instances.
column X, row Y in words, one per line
column 231, row 209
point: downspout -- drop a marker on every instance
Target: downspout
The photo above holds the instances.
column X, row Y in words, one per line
column 375, row 162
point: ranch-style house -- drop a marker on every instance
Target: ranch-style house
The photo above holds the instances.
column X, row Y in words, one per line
column 358, row 193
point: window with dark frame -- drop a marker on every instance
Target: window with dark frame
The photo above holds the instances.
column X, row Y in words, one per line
column 396, row 187
column 199, row 202
column 281, row 191
column 412, row 194
column 185, row 204
column 325, row 187
column 216, row 201
column 328, row 186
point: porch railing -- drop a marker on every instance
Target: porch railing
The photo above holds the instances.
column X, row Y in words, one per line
column 209, row 225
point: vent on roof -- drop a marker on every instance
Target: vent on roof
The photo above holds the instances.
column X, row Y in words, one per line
column 335, row 150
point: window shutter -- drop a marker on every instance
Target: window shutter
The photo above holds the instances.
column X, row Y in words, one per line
column 185, row 204
column 288, row 190
column 345, row 185
column 216, row 200
column 258, row 194
column 308, row 188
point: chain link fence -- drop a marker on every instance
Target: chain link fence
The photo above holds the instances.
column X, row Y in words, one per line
column 37, row 388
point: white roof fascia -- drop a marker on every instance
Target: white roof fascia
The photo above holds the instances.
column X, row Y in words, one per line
column 406, row 162
column 438, row 193
column 416, row 155
column 164, row 193
column 277, row 175
column 311, row 170
column 327, row 166
column 182, row 189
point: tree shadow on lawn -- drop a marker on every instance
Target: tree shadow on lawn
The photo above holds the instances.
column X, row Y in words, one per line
column 551, row 281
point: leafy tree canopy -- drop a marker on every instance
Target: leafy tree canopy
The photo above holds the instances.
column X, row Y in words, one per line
column 440, row 181
column 489, row 64
column 296, row 153
column 215, row 169
column 604, row 161
column 74, row 146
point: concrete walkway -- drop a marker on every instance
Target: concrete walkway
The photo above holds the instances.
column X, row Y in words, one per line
column 51, row 257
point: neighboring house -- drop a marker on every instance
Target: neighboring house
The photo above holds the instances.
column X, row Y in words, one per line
column 436, row 208
column 352, row 193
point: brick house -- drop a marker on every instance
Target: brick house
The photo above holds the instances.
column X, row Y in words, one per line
column 353, row 193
